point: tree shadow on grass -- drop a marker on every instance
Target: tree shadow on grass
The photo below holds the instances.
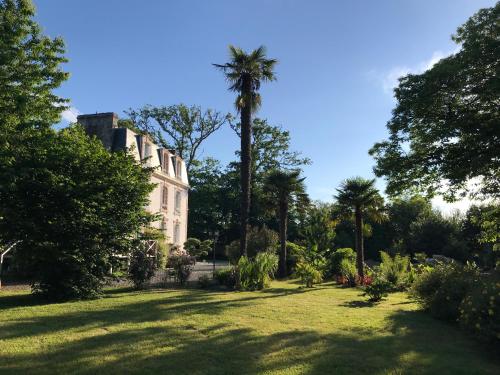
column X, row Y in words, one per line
column 21, row 300
column 359, row 304
column 164, row 305
column 410, row 345
column 143, row 336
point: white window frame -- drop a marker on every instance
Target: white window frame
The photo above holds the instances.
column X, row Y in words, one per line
column 177, row 201
column 177, row 233
column 178, row 169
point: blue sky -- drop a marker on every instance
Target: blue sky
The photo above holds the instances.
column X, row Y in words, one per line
column 338, row 61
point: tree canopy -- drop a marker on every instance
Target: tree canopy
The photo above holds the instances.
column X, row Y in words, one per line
column 444, row 134
column 73, row 204
column 271, row 148
column 213, row 200
column 178, row 127
column 30, row 69
column 248, row 69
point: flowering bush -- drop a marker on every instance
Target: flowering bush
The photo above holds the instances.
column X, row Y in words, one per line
column 348, row 272
column 366, row 280
column 479, row 310
column 143, row 264
column 442, row 289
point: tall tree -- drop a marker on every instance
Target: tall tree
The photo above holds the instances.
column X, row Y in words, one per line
column 30, row 69
column 178, row 126
column 402, row 212
column 444, row 131
column 359, row 197
column 270, row 148
column 73, row 204
column 285, row 188
column 245, row 72
column 207, row 200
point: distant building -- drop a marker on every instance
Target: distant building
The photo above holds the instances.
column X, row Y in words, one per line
column 170, row 196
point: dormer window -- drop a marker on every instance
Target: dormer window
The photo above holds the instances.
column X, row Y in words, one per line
column 147, row 150
column 164, row 164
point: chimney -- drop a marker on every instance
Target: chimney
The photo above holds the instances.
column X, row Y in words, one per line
column 100, row 125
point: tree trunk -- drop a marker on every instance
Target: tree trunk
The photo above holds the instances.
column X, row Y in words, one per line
column 360, row 258
column 283, row 272
column 246, row 162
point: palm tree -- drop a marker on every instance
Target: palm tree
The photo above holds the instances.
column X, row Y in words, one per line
column 245, row 72
column 359, row 196
column 284, row 188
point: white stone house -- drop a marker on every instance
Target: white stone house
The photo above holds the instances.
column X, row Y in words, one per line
column 170, row 195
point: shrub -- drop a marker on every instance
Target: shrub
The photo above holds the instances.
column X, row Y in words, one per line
column 197, row 248
column 309, row 255
column 366, row 280
column 143, row 265
column 348, row 272
column 461, row 293
column 255, row 274
column 295, row 254
column 395, row 270
column 308, row 274
column 478, row 311
column 226, row 277
column 336, row 258
column 378, row 289
column 182, row 264
column 204, row 281
column 442, row 289
column 259, row 240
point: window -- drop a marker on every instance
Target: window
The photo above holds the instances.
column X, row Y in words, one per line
column 164, row 197
column 177, row 233
column 147, row 150
column 164, row 166
column 178, row 169
column 177, row 201
column 164, row 227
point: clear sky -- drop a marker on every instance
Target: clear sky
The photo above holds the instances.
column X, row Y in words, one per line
column 338, row 62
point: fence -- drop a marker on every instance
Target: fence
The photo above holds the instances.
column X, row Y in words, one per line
column 166, row 278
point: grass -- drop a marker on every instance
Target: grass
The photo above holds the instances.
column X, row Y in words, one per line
column 282, row 330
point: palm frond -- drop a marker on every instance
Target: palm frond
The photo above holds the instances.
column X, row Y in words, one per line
column 242, row 66
column 359, row 192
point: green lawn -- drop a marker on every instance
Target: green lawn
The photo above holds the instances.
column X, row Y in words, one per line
column 282, row 330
